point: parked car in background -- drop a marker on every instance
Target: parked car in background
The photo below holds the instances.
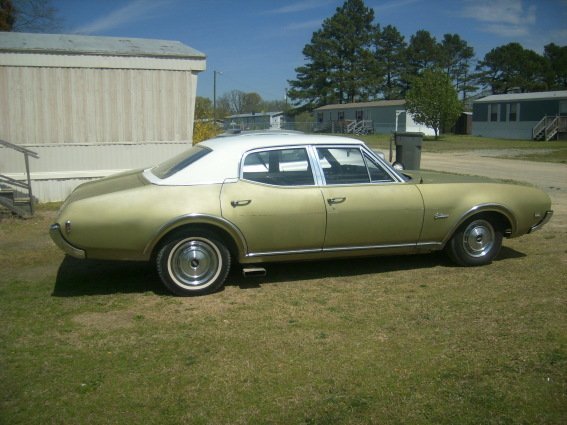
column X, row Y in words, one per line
column 256, row 198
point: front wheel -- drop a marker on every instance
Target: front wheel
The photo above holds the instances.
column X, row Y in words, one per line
column 475, row 243
column 193, row 263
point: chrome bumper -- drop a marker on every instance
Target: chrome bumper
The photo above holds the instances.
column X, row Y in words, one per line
column 66, row 247
column 542, row 223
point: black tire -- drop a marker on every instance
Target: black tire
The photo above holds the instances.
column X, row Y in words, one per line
column 476, row 243
column 193, row 263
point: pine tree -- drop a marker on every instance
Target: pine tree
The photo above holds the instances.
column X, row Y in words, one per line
column 340, row 66
column 390, row 53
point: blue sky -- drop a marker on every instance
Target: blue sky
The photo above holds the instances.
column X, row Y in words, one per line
column 257, row 44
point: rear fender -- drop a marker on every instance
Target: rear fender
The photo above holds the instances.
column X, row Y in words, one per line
column 199, row 219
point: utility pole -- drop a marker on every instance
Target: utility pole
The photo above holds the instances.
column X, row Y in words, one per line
column 215, row 72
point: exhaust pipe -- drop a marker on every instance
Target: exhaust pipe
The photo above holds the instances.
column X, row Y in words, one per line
column 254, row 272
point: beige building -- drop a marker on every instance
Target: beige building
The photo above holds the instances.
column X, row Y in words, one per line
column 92, row 106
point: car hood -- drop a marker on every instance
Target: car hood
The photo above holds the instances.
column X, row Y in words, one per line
column 114, row 183
column 432, row 177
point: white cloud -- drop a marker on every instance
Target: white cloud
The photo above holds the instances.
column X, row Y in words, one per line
column 314, row 24
column 508, row 18
column 299, row 7
column 394, row 5
column 506, row 31
column 136, row 10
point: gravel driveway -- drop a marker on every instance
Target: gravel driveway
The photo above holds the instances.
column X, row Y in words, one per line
column 550, row 177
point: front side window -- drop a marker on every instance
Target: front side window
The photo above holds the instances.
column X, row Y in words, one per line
column 377, row 173
column 280, row 167
column 343, row 165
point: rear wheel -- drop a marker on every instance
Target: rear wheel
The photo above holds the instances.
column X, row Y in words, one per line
column 475, row 243
column 193, row 263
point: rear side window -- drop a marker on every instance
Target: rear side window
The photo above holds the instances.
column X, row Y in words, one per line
column 280, row 167
column 177, row 163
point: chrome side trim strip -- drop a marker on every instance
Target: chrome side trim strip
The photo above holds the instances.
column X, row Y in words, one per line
column 367, row 247
column 427, row 245
column 290, row 252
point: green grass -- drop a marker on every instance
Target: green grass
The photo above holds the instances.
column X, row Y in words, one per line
column 395, row 340
column 553, row 151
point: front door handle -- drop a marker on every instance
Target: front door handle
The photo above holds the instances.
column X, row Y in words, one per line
column 339, row 200
column 240, row 203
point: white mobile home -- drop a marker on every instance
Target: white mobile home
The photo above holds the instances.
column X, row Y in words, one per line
column 381, row 116
column 538, row 115
column 91, row 106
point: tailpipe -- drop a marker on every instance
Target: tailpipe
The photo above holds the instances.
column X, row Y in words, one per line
column 254, row 272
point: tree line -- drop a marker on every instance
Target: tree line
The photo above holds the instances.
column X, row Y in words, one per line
column 237, row 102
column 352, row 59
column 29, row 16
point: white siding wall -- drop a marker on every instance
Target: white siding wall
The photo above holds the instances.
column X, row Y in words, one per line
column 61, row 168
column 40, row 105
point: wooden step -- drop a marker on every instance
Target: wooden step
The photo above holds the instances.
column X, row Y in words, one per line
column 24, row 210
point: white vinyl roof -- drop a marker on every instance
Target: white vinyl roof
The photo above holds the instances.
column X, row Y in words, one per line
column 226, row 152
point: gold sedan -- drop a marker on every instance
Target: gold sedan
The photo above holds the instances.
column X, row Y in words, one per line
column 285, row 197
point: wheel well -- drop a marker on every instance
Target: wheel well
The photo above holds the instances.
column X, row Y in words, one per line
column 498, row 220
column 218, row 232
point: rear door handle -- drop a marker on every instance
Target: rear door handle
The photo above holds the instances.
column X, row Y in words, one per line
column 338, row 200
column 240, row 203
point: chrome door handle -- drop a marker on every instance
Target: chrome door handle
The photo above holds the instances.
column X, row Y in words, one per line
column 240, row 203
column 339, row 200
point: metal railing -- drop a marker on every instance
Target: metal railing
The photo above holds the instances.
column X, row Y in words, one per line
column 15, row 185
column 548, row 127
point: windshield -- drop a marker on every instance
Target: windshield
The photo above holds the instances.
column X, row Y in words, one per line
column 179, row 162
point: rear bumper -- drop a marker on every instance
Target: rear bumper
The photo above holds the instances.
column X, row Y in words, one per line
column 61, row 242
column 542, row 223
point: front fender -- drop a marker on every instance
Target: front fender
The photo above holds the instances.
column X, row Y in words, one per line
column 483, row 208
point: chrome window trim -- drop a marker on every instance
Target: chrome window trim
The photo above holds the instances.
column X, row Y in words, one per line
column 382, row 162
column 317, row 170
column 396, row 178
column 277, row 148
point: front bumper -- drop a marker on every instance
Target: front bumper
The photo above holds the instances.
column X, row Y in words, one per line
column 542, row 223
column 61, row 242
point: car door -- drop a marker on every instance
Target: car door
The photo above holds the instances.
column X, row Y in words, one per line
column 366, row 206
column 275, row 203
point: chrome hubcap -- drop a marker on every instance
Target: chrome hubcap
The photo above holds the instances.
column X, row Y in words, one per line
column 194, row 262
column 478, row 238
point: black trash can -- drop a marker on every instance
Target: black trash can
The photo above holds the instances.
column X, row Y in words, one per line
column 408, row 149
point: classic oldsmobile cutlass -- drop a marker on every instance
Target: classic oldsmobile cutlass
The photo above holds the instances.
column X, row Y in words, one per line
column 284, row 197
